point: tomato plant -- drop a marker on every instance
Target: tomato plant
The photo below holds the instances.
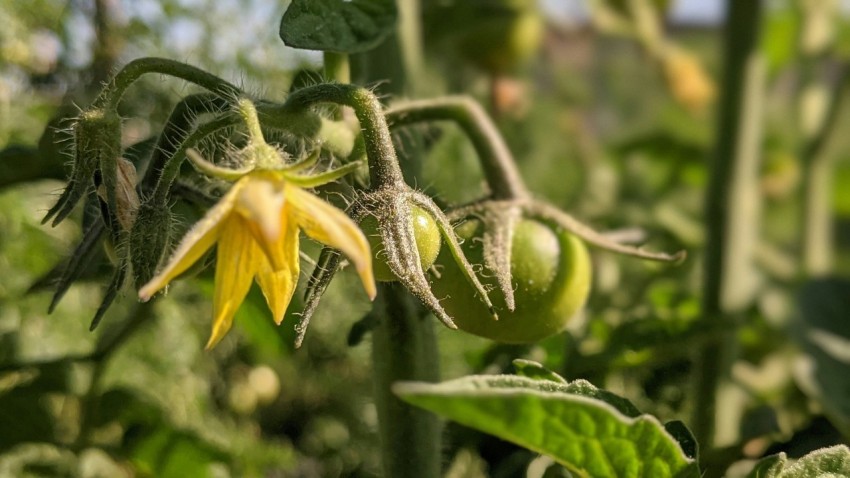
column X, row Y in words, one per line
column 551, row 274
column 607, row 104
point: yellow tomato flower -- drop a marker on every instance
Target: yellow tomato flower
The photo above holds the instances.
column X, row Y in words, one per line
column 256, row 225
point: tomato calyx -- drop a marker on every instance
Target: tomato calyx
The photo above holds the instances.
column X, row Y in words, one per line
column 392, row 209
column 500, row 218
column 425, row 232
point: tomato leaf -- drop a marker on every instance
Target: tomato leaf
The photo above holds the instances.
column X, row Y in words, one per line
column 337, row 25
column 590, row 431
column 823, row 331
column 832, row 462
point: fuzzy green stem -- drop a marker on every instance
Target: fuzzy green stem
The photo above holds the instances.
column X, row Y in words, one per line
column 337, row 70
column 112, row 94
column 731, row 205
column 404, row 348
column 177, row 127
column 172, row 166
column 495, row 157
column 410, row 44
column 248, row 112
column 334, row 136
column 384, row 170
column 336, row 67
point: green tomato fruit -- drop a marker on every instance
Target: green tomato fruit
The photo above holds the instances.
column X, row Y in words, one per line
column 499, row 40
column 551, row 274
column 427, row 236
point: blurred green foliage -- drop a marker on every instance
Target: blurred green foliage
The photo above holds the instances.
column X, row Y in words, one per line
column 596, row 131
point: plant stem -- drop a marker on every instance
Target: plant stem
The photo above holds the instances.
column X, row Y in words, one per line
column 248, row 112
column 817, row 214
column 180, row 122
column 337, row 70
column 383, row 162
column 336, row 67
column 817, row 187
column 112, row 94
column 495, row 157
column 109, row 42
column 409, row 39
column 404, row 348
column 171, row 169
column 732, row 208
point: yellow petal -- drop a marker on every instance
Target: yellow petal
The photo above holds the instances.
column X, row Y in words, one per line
column 237, row 261
column 194, row 244
column 279, row 285
column 327, row 224
column 260, row 202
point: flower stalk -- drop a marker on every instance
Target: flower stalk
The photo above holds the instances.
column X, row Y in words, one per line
column 112, row 94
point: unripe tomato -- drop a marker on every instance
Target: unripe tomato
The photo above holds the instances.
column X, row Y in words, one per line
column 498, row 38
column 427, row 236
column 551, row 276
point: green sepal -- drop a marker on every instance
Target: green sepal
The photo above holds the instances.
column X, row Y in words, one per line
column 499, row 218
column 150, row 238
column 214, row 171
column 450, row 237
column 553, row 216
column 112, row 290
column 81, row 259
column 307, row 161
column 97, row 145
column 320, row 179
column 391, row 209
column 323, row 273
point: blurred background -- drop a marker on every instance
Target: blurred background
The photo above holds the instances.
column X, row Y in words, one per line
column 611, row 109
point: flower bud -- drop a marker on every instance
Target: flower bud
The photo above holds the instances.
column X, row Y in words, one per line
column 689, row 84
column 150, row 237
column 97, row 147
column 126, row 196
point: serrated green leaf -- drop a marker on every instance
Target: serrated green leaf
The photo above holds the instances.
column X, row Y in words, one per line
column 832, row 462
column 686, row 439
column 578, row 425
column 337, row 25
